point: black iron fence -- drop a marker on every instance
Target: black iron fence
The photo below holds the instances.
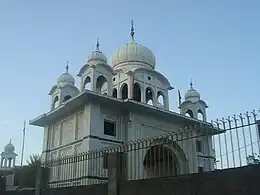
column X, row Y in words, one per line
column 226, row 143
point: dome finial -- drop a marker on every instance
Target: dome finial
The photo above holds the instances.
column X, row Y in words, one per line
column 191, row 84
column 132, row 30
column 10, row 141
column 97, row 45
column 67, row 67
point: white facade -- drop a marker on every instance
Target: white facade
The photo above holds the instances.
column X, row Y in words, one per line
column 130, row 96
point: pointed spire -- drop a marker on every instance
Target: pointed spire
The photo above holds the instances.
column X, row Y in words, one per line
column 97, row 45
column 67, row 67
column 132, row 30
column 10, row 141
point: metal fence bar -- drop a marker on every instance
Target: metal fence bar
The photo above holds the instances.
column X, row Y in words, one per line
column 227, row 143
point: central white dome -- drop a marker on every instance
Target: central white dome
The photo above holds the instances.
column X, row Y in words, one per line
column 133, row 52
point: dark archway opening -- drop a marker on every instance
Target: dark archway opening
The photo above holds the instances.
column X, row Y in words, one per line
column 160, row 161
column 101, row 85
column 137, row 92
column 124, row 91
column 55, row 102
column 67, row 97
column 189, row 113
column 160, row 98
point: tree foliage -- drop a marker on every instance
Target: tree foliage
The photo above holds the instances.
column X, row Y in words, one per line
column 253, row 159
column 34, row 160
column 26, row 175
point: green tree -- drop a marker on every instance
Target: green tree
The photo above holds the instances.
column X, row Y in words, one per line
column 26, row 174
column 34, row 160
column 253, row 159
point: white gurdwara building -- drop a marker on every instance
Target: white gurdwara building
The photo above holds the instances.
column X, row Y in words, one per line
column 118, row 102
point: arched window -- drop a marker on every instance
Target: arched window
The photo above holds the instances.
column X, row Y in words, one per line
column 149, row 96
column 101, row 85
column 55, row 102
column 200, row 115
column 124, row 91
column 66, row 98
column 87, row 83
column 114, row 94
column 137, row 92
column 160, row 98
column 189, row 113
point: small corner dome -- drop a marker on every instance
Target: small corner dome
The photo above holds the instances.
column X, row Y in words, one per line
column 133, row 52
column 98, row 56
column 9, row 148
column 66, row 78
column 192, row 94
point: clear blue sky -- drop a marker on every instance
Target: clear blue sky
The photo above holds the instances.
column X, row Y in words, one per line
column 216, row 43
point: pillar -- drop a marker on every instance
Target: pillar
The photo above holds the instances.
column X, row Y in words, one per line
column 9, row 162
column 14, row 162
column 130, row 85
column 166, row 100
column 2, row 161
column 93, row 79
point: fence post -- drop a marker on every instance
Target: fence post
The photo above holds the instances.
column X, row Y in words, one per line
column 114, row 173
column 2, row 184
column 40, row 180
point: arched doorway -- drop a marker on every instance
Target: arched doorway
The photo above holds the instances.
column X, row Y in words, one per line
column 55, row 102
column 189, row 113
column 124, row 91
column 101, row 85
column 160, row 98
column 87, row 83
column 160, row 161
column 149, row 96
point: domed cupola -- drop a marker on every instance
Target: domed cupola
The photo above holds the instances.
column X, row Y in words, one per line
column 64, row 89
column 133, row 54
column 193, row 106
column 9, row 148
column 192, row 94
column 66, row 77
column 97, row 56
column 8, row 157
